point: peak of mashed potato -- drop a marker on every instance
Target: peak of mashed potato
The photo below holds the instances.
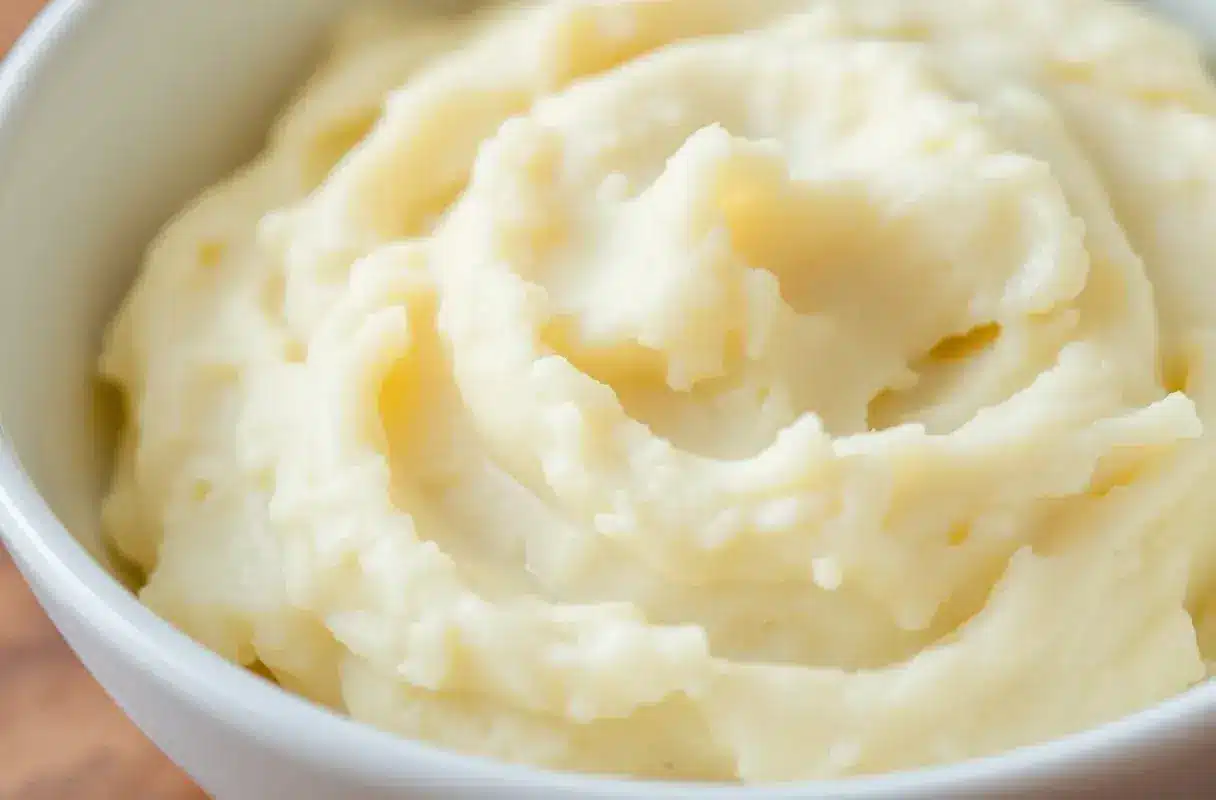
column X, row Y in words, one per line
column 699, row 389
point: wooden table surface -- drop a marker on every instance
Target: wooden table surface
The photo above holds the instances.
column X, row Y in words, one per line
column 61, row 738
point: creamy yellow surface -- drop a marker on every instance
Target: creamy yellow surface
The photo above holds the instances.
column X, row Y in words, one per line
column 699, row 388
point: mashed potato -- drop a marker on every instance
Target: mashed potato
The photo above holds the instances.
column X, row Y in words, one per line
column 699, row 388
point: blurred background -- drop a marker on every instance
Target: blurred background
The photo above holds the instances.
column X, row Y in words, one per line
column 61, row 738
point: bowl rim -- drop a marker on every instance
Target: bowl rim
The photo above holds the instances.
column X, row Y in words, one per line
column 53, row 560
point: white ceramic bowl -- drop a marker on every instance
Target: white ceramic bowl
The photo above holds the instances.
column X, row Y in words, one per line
column 112, row 114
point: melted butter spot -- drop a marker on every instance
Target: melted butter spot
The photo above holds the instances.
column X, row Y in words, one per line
column 200, row 491
column 211, row 253
column 971, row 343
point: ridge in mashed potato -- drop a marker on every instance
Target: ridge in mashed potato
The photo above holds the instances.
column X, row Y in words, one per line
column 698, row 389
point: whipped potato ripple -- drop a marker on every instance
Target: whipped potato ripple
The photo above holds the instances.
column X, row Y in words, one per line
column 699, row 389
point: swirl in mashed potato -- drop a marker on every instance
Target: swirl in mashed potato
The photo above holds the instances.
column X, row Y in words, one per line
column 707, row 389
